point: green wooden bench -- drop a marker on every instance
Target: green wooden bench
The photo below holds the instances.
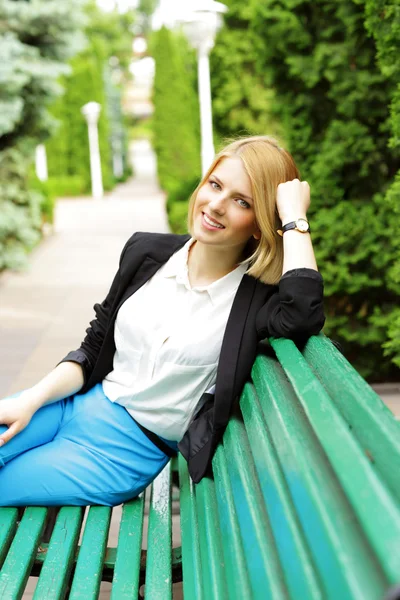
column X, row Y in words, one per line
column 305, row 504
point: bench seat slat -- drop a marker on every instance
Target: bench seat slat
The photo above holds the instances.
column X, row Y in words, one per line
column 125, row 583
column 234, row 558
column 191, row 561
column 60, row 555
column 370, row 419
column 212, row 556
column 296, row 559
column 18, row 563
column 8, row 525
column 353, row 469
column 265, row 569
column 89, row 566
column 346, row 564
column 158, row 584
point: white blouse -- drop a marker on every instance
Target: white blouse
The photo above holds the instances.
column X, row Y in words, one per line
column 168, row 339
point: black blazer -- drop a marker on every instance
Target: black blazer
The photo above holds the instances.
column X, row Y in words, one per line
column 292, row 309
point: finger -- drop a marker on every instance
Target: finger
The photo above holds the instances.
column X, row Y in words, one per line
column 10, row 433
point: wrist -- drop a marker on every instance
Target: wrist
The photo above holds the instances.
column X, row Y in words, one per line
column 31, row 399
column 288, row 218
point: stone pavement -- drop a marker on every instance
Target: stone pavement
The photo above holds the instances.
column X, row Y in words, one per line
column 45, row 311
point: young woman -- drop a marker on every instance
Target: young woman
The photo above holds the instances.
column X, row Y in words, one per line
column 173, row 342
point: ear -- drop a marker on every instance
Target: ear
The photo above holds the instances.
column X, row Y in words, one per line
column 257, row 234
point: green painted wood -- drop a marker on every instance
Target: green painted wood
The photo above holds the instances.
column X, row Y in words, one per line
column 265, row 570
column 158, row 584
column 8, row 525
column 366, row 491
column 60, row 555
column 212, row 555
column 370, row 420
column 300, row 571
column 125, row 583
column 18, row 563
column 346, row 564
column 236, row 570
column 89, row 565
column 191, row 558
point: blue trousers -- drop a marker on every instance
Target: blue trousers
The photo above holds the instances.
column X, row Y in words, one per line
column 79, row 451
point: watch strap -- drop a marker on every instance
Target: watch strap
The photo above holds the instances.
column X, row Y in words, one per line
column 293, row 225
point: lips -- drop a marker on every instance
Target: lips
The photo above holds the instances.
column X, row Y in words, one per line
column 211, row 222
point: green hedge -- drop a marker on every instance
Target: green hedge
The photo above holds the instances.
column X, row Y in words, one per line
column 331, row 100
column 176, row 110
column 177, row 217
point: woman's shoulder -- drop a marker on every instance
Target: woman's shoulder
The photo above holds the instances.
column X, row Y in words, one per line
column 156, row 245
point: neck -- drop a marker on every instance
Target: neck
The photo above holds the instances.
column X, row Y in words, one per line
column 207, row 263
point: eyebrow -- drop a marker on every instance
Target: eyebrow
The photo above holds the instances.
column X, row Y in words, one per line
column 239, row 193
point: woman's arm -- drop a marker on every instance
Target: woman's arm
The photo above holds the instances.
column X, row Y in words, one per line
column 296, row 311
column 63, row 381
column 293, row 201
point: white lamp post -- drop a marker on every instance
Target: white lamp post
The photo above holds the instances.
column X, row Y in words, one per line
column 201, row 27
column 41, row 162
column 91, row 112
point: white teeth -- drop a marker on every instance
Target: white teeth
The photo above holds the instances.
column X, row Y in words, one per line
column 212, row 223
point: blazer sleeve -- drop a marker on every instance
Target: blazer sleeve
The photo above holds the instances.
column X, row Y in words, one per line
column 89, row 349
column 296, row 310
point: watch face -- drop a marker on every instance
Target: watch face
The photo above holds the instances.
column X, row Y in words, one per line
column 302, row 225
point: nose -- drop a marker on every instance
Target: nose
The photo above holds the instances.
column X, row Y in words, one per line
column 217, row 204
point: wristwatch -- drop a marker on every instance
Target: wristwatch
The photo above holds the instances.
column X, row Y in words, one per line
column 301, row 225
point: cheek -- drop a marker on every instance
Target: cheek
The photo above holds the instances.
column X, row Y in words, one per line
column 199, row 201
column 246, row 223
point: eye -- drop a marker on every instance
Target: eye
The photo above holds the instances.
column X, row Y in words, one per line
column 214, row 183
column 243, row 203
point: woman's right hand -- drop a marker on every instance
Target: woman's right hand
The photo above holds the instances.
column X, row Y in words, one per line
column 16, row 414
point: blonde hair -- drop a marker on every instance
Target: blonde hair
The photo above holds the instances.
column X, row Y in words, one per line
column 267, row 165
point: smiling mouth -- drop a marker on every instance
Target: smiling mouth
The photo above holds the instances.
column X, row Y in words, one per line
column 211, row 222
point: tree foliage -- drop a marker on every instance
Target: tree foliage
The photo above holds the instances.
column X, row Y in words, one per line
column 241, row 100
column 383, row 23
column 176, row 111
column 332, row 103
column 109, row 38
column 37, row 38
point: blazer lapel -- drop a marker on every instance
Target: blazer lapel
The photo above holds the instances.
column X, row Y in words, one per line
column 230, row 351
column 147, row 269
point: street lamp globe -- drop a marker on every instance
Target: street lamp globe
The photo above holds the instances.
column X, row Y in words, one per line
column 91, row 112
column 202, row 24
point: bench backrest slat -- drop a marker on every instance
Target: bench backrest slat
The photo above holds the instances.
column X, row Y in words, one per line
column 211, row 543
column 237, row 574
column 60, row 556
column 20, row 557
column 127, row 562
column 90, row 560
column 8, row 525
column 191, row 566
column 297, row 563
column 345, row 562
column 265, row 569
column 158, row 584
column 370, row 420
column 353, row 468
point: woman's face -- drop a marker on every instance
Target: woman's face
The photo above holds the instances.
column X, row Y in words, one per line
column 224, row 210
